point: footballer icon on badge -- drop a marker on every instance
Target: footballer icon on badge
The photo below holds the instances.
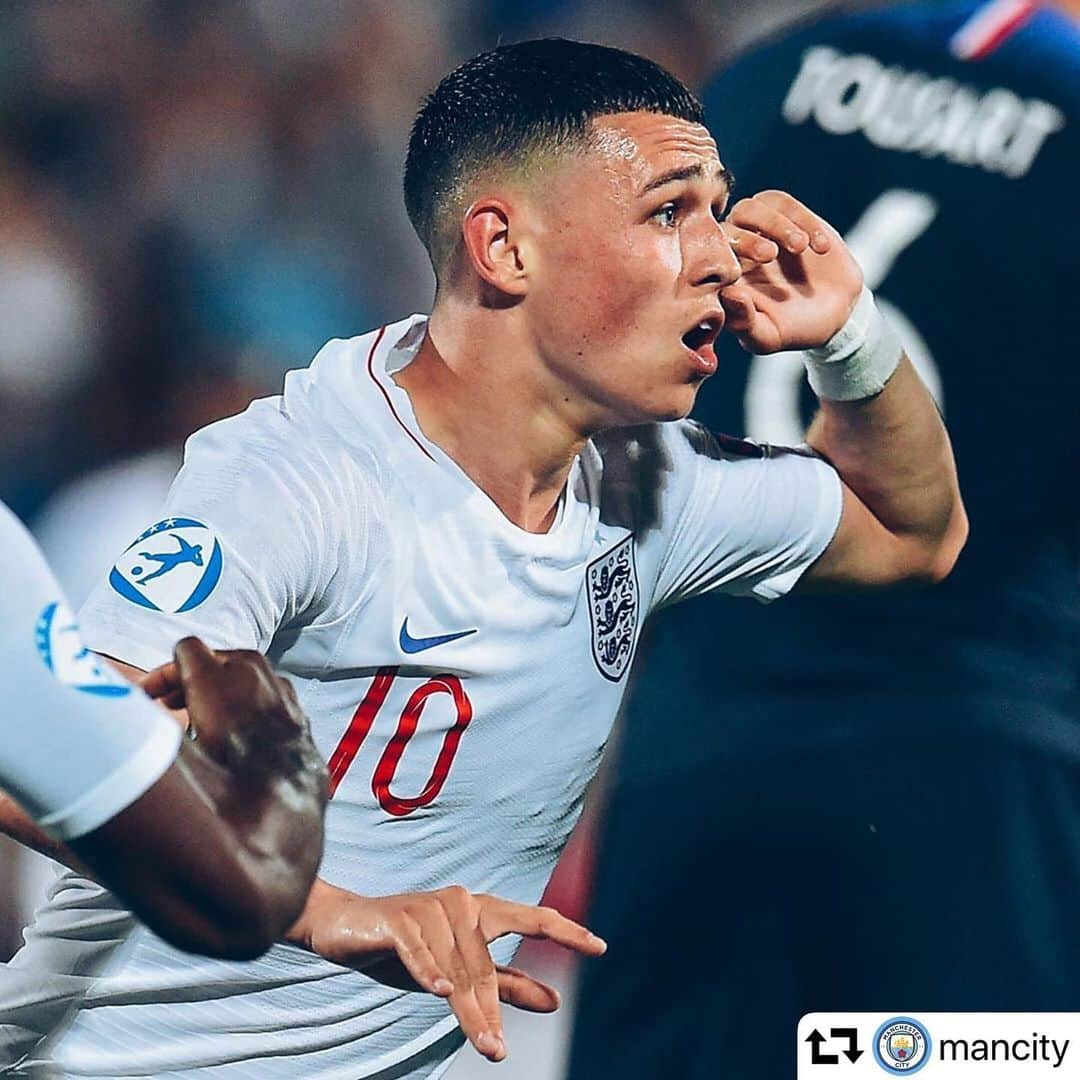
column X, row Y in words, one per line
column 173, row 566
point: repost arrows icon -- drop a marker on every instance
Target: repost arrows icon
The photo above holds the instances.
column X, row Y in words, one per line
column 852, row 1053
column 815, row 1039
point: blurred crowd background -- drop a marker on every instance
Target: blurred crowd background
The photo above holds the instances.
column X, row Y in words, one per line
column 194, row 196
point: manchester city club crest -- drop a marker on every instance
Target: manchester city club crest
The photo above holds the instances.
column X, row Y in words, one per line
column 56, row 636
column 902, row 1045
column 173, row 566
column 612, row 588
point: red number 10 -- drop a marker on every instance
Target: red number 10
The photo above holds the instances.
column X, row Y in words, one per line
column 362, row 721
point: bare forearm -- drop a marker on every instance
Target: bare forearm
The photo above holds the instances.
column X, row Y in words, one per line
column 901, row 518
column 893, row 452
column 206, row 867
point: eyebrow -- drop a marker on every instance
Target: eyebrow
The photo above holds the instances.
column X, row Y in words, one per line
column 689, row 172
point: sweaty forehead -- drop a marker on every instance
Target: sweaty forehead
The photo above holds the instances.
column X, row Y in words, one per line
column 648, row 144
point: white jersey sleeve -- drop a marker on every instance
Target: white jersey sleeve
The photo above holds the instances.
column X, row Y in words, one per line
column 79, row 743
column 747, row 519
column 246, row 546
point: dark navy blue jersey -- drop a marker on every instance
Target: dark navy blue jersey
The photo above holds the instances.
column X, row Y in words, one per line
column 955, row 182
column 870, row 801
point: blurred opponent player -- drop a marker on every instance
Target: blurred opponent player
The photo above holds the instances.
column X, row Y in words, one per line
column 449, row 531
column 97, row 765
column 877, row 799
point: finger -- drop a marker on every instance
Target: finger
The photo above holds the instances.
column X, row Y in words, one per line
column 463, row 913
column 245, row 683
column 166, row 695
column 162, row 680
column 759, row 216
column 249, row 660
column 474, row 1022
column 172, row 698
column 201, row 676
column 500, row 917
column 415, row 953
column 485, row 979
column 750, row 246
column 250, row 677
column 175, row 701
column 755, row 330
column 195, row 661
column 816, row 229
column 739, row 311
column 524, row 992
column 439, row 934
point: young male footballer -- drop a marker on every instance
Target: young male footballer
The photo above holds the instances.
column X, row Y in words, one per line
column 449, row 531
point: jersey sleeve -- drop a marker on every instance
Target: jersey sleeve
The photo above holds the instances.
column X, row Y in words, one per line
column 745, row 519
column 79, row 743
column 251, row 538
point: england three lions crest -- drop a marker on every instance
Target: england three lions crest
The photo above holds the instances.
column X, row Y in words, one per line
column 612, row 588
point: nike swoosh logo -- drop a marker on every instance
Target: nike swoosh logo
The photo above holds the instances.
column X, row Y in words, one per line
column 419, row 644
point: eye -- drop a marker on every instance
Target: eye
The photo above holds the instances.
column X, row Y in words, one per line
column 667, row 215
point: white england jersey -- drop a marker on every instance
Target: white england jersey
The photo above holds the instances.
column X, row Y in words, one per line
column 461, row 676
column 78, row 743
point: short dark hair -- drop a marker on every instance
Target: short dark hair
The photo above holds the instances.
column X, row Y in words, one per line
column 505, row 104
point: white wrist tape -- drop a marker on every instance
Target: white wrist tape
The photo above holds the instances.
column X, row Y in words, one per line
column 859, row 359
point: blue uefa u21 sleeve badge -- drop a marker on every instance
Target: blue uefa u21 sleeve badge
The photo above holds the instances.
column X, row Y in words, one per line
column 173, row 566
column 56, row 635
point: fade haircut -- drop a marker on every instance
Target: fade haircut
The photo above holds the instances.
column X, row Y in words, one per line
column 502, row 108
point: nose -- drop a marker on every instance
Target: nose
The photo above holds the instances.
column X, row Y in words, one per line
column 712, row 260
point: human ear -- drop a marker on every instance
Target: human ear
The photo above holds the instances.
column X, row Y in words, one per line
column 493, row 246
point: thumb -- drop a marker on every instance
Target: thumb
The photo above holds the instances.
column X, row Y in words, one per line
column 524, row 992
column 193, row 656
column 200, row 672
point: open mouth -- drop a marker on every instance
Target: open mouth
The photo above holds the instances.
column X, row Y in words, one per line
column 704, row 333
column 700, row 339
